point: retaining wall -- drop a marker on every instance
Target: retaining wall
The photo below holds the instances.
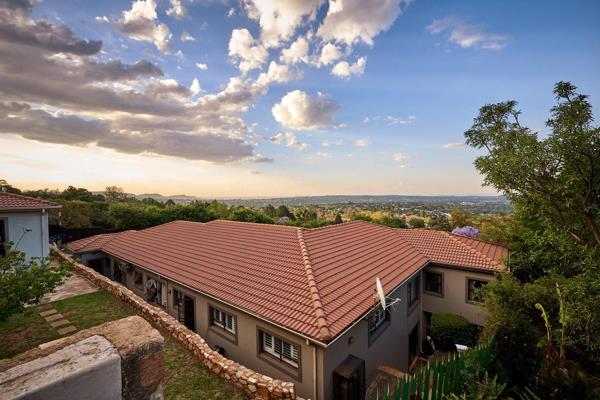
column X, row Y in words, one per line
column 256, row 385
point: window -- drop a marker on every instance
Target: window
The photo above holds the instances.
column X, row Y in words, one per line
column 222, row 320
column 279, row 348
column 376, row 322
column 3, row 236
column 138, row 280
column 434, row 282
column 472, row 293
column 414, row 289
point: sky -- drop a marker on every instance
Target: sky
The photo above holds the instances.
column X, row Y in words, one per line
column 258, row 98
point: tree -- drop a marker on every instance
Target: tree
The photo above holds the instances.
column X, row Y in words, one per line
column 247, row 215
column 24, row 282
column 73, row 193
column 554, row 185
column 460, row 218
column 338, row 219
column 270, row 211
column 76, row 214
column 283, row 211
column 115, row 193
column 467, row 231
column 416, row 222
column 439, row 222
column 306, row 214
column 557, row 177
column 6, row 187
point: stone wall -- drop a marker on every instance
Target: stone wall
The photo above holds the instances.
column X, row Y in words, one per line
column 120, row 359
column 256, row 385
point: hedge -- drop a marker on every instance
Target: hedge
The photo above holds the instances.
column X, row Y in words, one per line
column 450, row 329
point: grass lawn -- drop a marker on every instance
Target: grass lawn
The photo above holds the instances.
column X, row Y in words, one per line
column 186, row 377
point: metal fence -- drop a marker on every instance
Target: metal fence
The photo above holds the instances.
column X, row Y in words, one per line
column 438, row 378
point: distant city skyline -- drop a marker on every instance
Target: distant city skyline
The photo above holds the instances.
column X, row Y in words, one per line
column 226, row 99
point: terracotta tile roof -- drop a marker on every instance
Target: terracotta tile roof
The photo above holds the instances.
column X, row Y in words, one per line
column 92, row 243
column 12, row 201
column 313, row 281
column 448, row 249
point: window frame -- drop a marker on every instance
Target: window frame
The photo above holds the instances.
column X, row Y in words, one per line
column 468, row 291
column 374, row 330
column 414, row 282
column 4, row 223
column 277, row 360
column 426, row 289
column 221, row 328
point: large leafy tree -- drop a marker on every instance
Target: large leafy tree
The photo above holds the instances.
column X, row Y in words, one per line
column 557, row 177
column 24, row 282
column 553, row 181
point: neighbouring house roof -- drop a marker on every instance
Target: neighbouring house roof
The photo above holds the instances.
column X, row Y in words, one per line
column 455, row 250
column 313, row 281
column 12, row 201
column 92, row 243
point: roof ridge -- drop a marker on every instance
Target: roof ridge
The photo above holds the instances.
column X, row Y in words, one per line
column 335, row 225
column 321, row 318
column 471, row 249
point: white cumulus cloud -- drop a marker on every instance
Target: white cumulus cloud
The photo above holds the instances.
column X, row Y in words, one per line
column 297, row 52
column 457, row 145
column 362, row 142
column 140, row 23
column 467, row 35
column 344, row 69
column 353, row 21
column 186, row 37
column 247, row 50
column 330, row 53
column 297, row 110
column 201, row 66
column 177, row 10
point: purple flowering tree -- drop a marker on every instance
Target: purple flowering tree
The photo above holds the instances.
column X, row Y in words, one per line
column 467, row 231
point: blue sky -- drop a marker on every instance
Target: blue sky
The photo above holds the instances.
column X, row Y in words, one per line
column 383, row 114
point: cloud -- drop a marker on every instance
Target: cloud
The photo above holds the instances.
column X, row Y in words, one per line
column 297, row 52
column 467, row 35
column 201, row 66
column 40, row 125
column 129, row 108
column 177, row 10
column 279, row 20
column 186, row 37
column 195, row 87
column 279, row 73
column 297, row 110
column 289, row 139
column 246, row 50
column 140, row 23
column 231, row 12
column 330, row 53
column 344, row 70
column 353, row 21
column 103, row 19
column 253, row 172
column 326, row 143
column 362, row 142
column 391, row 120
column 454, row 146
column 400, row 157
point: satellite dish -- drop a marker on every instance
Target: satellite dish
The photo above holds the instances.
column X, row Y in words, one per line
column 380, row 292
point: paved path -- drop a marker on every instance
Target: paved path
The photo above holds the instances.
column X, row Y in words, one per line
column 73, row 286
column 56, row 320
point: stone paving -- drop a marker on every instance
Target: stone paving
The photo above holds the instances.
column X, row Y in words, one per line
column 56, row 320
column 73, row 286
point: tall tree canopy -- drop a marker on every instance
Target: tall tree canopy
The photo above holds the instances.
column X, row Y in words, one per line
column 556, row 177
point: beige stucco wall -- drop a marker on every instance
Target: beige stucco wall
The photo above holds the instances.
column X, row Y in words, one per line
column 390, row 348
column 454, row 299
column 244, row 347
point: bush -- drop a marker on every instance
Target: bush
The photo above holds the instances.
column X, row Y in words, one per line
column 449, row 329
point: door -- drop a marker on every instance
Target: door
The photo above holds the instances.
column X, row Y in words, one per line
column 349, row 379
column 413, row 345
column 189, row 314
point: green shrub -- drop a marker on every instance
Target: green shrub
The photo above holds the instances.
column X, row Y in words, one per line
column 449, row 329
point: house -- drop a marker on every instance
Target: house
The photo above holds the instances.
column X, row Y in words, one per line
column 296, row 303
column 24, row 222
